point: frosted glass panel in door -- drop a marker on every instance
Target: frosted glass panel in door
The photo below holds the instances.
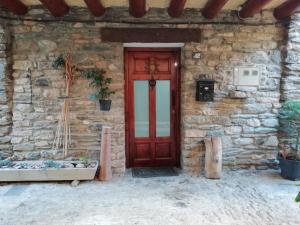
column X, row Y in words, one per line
column 141, row 108
column 163, row 108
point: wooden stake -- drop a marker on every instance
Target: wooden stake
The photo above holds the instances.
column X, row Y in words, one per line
column 213, row 157
column 105, row 155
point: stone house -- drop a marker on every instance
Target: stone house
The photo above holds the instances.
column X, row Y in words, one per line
column 169, row 42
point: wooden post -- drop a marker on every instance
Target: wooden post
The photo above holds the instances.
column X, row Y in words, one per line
column 213, row 157
column 212, row 8
column 105, row 155
column 14, row 6
column 251, row 7
column 176, row 8
column 286, row 9
column 95, row 6
column 208, row 156
column 137, row 8
column 58, row 8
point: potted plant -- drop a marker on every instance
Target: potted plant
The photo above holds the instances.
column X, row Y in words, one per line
column 101, row 83
column 289, row 155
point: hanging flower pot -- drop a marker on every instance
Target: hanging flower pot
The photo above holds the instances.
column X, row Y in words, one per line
column 101, row 83
column 105, row 105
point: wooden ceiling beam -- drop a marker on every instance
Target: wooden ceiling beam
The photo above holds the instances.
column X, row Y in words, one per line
column 251, row 7
column 58, row 8
column 287, row 9
column 176, row 8
column 95, row 6
column 212, row 8
column 149, row 35
column 137, row 8
column 15, row 6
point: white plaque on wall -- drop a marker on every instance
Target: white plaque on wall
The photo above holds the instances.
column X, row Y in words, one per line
column 247, row 76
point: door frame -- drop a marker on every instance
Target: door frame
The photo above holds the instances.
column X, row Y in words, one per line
column 127, row 100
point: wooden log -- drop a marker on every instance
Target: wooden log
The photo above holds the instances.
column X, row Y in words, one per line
column 58, row 8
column 212, row 8
column 15, row 6
column 213, row 157
column 176, row 8
column 149, row 35
column 95, row 6
column 287, row 9
column 251, row 7
column 137, row 8
column 208, row 156
column 105, row 155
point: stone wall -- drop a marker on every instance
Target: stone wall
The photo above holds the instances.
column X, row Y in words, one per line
column 245, row 117
column 5, row 93
column 38, row 88
column 291, row 79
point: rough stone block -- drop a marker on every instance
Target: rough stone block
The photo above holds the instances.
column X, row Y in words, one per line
column 270, row 123
column 32, row 155
column 42, row 82
column 22, row 65
column 272, row 141
column 243, row 141
column 237, row 94
column 233, row 130
column 47, row 45
column 24, row 147
column 195, row 133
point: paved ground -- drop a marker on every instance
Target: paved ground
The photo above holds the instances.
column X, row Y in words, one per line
column 240, row 198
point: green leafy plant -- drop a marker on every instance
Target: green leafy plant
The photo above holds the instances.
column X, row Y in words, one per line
column 58, row 62
column 84, row 160
column 298, row 198
column 290, row 125
column 100, row 82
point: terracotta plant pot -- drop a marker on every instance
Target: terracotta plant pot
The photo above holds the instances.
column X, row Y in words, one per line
column 105, row 105
column 290, row 169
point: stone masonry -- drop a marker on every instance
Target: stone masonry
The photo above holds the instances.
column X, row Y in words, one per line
column 291, row 79
column 5, row 93
column 245, row 117
column 37, row 88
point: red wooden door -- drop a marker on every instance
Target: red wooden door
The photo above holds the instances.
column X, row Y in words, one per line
column 152, row 107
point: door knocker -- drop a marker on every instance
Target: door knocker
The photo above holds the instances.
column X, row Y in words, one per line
column 152, row 82
column 152, row 68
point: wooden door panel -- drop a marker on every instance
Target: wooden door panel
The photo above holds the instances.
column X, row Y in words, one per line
column 163, row 150
column 164, row 66
column 157, row 65
column 139, row 66
column 142, row 151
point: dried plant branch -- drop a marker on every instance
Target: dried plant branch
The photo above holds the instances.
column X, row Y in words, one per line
column 63, row 131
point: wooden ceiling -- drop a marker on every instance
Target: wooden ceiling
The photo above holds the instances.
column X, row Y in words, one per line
column 232, row 4
column 138, row 8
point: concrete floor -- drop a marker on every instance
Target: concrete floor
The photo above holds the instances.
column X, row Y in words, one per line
column 239, row 198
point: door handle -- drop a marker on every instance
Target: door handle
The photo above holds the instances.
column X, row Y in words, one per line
column 173, row 99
